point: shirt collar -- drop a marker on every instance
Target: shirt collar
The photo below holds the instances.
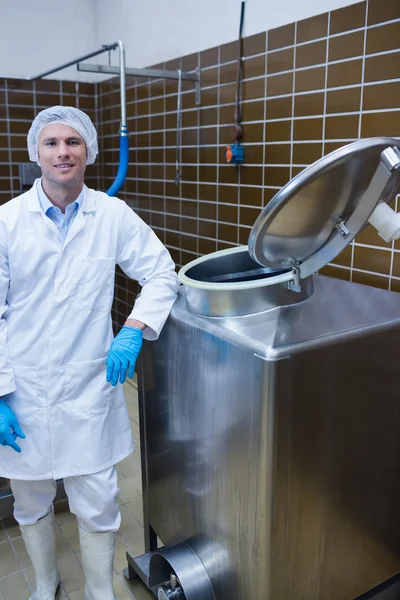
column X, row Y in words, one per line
column 46, row 204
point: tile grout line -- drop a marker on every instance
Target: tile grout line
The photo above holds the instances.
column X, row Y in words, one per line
column 292, row 120
column 258, row 54
column 353, row 243
column 198, row 165
column 310, row 67
column 9, row 138
column 218, row 153
column 239, row 167
column 164, row 175
column 367, row 272
column 180, row 156
column 260, row 142
column 338, row 88
column 73, row 552
column 326, row 83
column 122, row 579
column 265, row 123
column 2, row 527
column 19, row 561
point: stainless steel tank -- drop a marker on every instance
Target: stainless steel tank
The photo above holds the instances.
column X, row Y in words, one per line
column 270, row 408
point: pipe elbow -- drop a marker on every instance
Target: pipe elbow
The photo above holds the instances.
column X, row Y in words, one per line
column 123, row 164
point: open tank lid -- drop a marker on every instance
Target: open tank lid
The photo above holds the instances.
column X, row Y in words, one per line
column 318, row 213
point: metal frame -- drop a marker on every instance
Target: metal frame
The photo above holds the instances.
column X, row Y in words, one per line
column 104, row 48
column 121, row 71
column 140, row 566
column 150, row 536
column 148, row 73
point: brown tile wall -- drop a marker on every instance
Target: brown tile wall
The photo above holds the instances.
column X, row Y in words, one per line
column 20, row 101
column 309, row 88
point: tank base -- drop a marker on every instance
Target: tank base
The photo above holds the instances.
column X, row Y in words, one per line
column 157, row 574
column 155, row 570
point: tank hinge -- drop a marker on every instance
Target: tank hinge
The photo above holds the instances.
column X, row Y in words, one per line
column 294, row 284
column 391, row 159
column 342, row 229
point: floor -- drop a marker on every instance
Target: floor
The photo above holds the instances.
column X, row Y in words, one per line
column 16, row 573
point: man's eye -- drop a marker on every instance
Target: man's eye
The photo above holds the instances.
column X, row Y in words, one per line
column 50, row 143
column 73, row 142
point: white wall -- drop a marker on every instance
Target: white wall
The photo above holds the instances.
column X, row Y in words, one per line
column 157, row 30
column 37, row 35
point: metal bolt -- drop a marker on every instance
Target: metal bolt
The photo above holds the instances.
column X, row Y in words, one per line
column 342, row 229
column 173, row 581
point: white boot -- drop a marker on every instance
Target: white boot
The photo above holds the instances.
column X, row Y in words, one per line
column 40, row 542
column 97, row 551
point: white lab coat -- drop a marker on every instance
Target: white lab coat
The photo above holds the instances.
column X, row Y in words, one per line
column 56, row 330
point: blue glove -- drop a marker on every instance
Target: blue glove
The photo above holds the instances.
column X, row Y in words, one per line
column 123, row 354
column 8, row 422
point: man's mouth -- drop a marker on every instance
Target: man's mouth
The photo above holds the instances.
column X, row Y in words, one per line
column 63, row 166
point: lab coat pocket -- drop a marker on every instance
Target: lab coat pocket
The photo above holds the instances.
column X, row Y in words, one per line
column 92, row 283
column 86, row 390
column 27, row 405
column 26, row 401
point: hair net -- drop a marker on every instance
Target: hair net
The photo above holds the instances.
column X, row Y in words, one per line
column 64, row 115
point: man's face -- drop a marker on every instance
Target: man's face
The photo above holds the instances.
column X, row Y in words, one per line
column 62, row 155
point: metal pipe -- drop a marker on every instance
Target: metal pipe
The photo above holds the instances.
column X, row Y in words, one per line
column 122, row 67
column 122, row 73
column 123, row 162
column 148, row 73
column 123, row 131
column 105, row 48
column 154, row 73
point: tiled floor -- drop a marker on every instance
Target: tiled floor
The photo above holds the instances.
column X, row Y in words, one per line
column 16, row 573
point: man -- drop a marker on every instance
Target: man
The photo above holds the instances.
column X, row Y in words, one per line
column 60, row 369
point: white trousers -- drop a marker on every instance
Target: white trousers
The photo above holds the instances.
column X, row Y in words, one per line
column 92, row 498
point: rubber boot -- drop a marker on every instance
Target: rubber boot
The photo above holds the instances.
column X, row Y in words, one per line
column 40, row 542
column 97, row 551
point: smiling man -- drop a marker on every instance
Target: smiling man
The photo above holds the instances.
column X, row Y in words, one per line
column 61, row 369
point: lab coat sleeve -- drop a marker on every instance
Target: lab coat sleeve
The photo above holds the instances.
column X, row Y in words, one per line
column 143, row 257
column 7, row 381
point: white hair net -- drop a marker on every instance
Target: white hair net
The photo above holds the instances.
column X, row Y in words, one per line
column 63, row 115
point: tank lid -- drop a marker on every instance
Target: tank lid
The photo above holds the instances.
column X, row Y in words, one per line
column 318, row 213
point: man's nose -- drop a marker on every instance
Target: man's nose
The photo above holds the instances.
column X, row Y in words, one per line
column 63, row 149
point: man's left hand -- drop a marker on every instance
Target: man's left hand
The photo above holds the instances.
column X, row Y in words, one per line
column 124, row 352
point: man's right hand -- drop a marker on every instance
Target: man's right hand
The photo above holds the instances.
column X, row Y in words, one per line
column 9, row 428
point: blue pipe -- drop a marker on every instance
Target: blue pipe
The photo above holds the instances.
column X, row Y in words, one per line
column 123, row 162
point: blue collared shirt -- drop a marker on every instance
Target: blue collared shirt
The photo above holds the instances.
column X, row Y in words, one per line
column 63, row 221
